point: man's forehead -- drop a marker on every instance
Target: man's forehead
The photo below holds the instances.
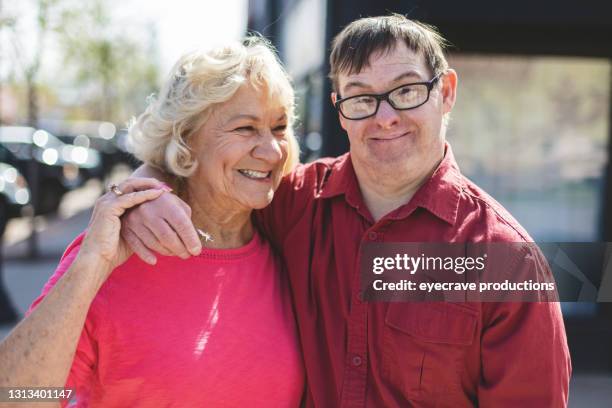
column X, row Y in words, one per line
column 383, row 68
column 381, row 79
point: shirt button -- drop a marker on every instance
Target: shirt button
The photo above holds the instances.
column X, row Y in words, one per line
column 372, row 236
column 356, row 361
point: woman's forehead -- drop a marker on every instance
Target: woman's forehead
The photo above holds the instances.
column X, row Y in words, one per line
column 254, row 101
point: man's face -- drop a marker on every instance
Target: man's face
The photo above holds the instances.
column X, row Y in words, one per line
column 404, row 144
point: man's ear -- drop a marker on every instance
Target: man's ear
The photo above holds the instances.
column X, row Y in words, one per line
column 334, row 98
column 449, row 90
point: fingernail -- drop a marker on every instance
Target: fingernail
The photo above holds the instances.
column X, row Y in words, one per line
column 195, row 250
column 166, row 187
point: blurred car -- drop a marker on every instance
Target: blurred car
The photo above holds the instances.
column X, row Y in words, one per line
column 57, row 167
column 14, row 194
column 124, row 143
column 99, row 135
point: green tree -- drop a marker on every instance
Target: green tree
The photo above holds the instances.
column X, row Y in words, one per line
column 28, row 59
column 112, row 68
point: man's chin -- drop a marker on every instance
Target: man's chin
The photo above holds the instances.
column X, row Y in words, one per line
column 389, row 156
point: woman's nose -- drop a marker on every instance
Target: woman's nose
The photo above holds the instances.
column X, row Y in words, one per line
column 269, row 148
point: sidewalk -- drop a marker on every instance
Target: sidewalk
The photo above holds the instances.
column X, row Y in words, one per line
column 25, row 278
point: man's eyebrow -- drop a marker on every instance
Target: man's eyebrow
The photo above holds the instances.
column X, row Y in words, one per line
column 408, row 74
column 355, row 84
column 358, row 84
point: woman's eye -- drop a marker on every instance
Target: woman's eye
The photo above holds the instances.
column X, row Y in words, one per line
column 280, row 128
column 245, row 129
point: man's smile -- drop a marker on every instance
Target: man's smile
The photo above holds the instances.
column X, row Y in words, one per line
column 390, row 138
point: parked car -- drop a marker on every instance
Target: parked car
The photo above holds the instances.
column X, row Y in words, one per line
column 50, row 166
column 14, row 194
column 126, row 150
column 99, row 135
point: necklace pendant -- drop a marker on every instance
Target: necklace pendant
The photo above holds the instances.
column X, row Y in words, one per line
column 205, row 235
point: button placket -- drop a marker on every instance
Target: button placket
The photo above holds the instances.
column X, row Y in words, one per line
column 356, row 365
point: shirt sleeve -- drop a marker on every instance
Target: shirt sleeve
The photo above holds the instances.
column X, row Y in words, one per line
column 85, row 357
column 525, row 357
column 292, row 197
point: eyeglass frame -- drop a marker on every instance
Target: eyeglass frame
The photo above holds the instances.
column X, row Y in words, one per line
column 385, row 97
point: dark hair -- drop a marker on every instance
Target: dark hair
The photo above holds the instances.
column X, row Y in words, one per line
column 355, row 44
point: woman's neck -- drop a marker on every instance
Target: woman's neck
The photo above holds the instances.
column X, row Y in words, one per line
column 227, row 228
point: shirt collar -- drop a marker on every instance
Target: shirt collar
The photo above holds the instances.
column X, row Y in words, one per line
column 439, row 195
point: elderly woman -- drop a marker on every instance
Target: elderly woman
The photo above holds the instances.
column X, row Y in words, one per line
column 212, row 330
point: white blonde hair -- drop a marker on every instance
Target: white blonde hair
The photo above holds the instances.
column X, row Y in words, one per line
column 199, row 81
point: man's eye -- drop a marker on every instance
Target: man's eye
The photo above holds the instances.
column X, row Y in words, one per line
column 405, row 90
column 365, row 100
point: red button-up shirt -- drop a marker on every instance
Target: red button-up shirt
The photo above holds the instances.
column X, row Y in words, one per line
column 360, row 354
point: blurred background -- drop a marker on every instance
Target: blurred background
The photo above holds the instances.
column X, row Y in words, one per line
column 531, row 124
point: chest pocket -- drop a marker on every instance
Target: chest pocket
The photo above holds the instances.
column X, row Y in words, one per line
column 425, row 346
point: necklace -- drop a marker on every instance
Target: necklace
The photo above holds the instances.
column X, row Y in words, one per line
column 205, row 236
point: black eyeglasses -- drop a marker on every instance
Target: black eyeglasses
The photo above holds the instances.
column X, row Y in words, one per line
column 404, row 97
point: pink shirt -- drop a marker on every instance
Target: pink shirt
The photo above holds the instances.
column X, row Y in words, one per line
column 216, row 330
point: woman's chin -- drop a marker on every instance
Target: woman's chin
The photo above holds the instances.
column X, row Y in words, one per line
column 258, row 203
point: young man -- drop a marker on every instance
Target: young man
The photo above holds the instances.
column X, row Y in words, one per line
column 399, row 183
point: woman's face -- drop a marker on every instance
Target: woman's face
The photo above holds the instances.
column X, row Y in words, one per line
column 241, row 150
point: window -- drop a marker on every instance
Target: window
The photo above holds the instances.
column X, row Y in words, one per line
column 533, row 132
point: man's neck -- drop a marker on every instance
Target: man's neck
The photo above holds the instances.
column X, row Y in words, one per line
column 381, row 200
column 383, row 193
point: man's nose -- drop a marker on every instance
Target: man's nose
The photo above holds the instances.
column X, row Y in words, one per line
column 386, row 115
column 268, row 148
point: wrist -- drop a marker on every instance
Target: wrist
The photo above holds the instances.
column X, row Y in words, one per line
column 93, row 259
column 92, row 266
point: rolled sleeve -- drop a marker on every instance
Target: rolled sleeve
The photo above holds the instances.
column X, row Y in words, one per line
column 525, row 357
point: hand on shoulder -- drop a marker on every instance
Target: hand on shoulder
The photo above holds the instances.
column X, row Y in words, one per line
column 102, row 241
